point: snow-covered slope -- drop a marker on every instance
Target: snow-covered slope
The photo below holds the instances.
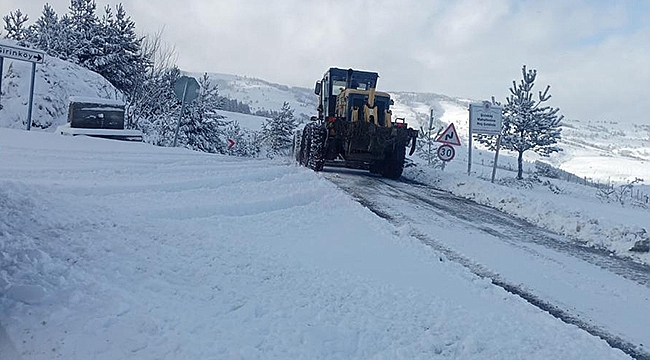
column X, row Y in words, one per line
column 605, row 149
column 56, row 80
column 599, row 150
column 251, row 122
column 264, row 95
column 113, row 250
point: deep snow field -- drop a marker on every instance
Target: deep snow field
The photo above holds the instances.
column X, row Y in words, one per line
column 113, row 250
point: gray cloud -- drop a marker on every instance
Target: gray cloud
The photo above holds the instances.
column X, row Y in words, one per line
column 595, row 54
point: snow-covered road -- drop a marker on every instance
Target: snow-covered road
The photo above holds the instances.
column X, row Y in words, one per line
column 113, row 250
column 606, row 295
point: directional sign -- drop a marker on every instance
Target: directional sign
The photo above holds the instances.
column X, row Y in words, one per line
column 192, row 91
column 186, row 89
column 231, row 143
column 21, row 53
column 446, row 152
column 449, row 136
column 485, row 118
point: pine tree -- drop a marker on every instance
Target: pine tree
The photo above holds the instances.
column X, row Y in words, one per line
column 426, row 142
column 153, row 109
column 15, row 27
column 118, row 55
column 278, row 131
column 527, row 124
column 202, row 127
column 47, row 34
column 85, row 30
column 247, row 142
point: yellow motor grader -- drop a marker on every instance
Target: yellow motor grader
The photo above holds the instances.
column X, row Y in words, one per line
column 354, row 127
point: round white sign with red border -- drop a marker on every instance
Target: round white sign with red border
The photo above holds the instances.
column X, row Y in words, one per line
column 446, row 152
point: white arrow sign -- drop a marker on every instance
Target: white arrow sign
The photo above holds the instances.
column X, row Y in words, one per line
column 21, row 53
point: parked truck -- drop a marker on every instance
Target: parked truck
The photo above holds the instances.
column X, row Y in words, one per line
column 354, row 127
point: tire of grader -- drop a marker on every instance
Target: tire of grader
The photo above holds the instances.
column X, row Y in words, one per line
column 303, row 152
column 316, row 158
column 394, row 163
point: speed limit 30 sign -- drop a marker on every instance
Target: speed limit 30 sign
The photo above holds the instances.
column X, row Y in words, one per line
column 446, row 152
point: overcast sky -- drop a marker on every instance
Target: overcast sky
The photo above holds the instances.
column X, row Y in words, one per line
column 595, row 54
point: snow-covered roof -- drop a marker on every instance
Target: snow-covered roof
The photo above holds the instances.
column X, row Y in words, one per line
column 83, row 99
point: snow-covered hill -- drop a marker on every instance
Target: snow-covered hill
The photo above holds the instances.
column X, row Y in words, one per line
column 599, row 150
column 56, row 80
column 265, row 96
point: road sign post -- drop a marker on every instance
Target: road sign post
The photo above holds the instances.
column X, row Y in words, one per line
column 469, row 144
column 31, row 98
column 180, row 115
column 484, row 118
column 2, row 60
column 186, row 89
column 23, row 54
column 446, row 151
column 496, row 158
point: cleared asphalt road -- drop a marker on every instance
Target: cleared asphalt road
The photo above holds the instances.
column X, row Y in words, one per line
column 603, row 294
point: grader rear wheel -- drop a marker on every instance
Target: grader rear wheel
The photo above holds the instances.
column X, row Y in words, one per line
column 393, row 164
column 316, row 158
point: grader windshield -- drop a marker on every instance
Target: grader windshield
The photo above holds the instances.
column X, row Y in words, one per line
column 336, row 80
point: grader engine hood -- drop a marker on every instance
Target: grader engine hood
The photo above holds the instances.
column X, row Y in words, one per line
column 369, row 106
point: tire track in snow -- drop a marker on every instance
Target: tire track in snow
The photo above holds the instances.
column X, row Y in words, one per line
column 623, row 267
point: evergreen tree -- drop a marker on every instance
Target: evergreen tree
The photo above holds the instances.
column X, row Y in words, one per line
column 426, row 146
column 235, row 105
column 153, row 108
column 527, row 124
column 202, row 127
column 278, row 131
column 47, row 33
column 247, row 142
column 15, row 27
column 84, row 28
column 117, row 52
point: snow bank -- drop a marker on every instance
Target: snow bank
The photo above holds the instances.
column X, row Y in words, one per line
column 125, row 250
column 56, row 80
column 569, row 209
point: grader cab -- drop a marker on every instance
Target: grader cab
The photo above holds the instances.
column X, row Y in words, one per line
column 354, row 127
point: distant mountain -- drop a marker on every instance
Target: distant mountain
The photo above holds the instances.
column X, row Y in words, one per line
column 261, row 95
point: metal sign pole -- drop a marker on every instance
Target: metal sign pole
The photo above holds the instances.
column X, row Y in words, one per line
column 180, row 116
column 1, row 67
column 429, row 137
column 31, row 98
column 496, row 158
column 469, row 152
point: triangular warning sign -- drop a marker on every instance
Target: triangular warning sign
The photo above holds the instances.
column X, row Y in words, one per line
column 449, row 136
